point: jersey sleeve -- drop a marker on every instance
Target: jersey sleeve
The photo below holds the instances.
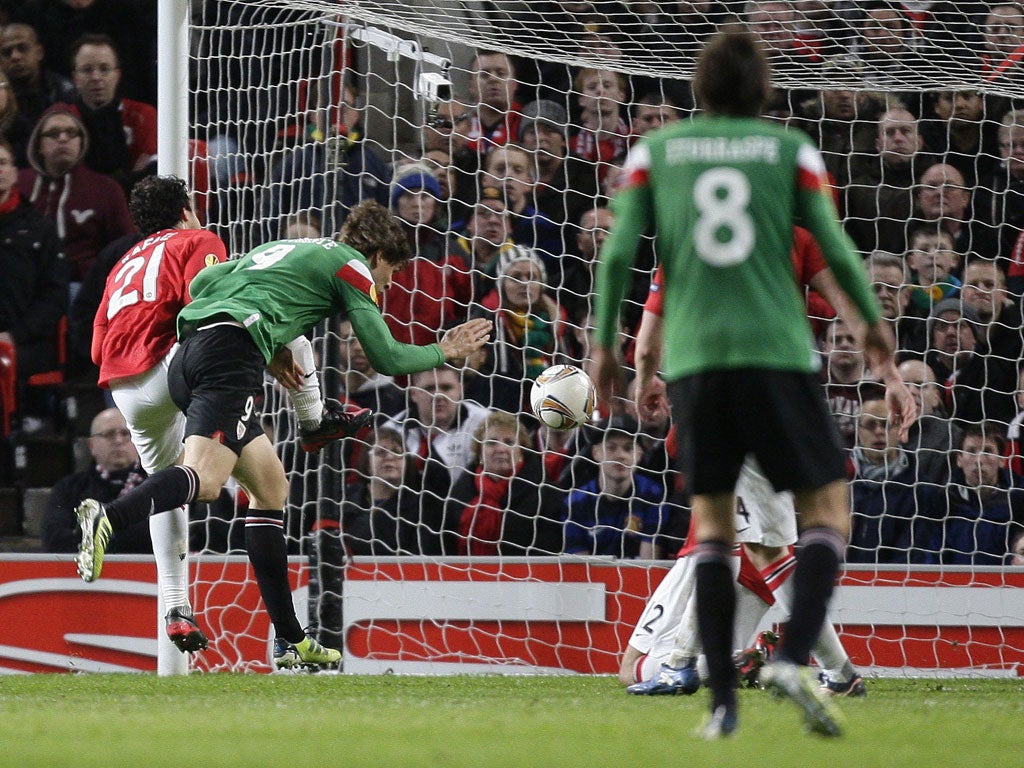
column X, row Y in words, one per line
column 206, row 250
column 634, row 214
column 386, row 354
column 818, row 214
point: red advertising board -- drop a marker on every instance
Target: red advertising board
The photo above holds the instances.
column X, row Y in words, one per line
column 408, row 615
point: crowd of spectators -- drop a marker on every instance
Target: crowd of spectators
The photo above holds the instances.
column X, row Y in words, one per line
column 504, row 193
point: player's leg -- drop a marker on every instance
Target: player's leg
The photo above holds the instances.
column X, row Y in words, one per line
column 796, row 444
column 158, row 429
column 651, row 639
column 716, row 593
column 260, row 473
column 712, row 448
column 214, row 378
column 840, row 677
column 824, row 515
column 753, row 599
column 653, row 663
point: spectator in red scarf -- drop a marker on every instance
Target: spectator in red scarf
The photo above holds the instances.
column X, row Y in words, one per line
column 604, row 136
column 494, row 121
column 502, row 506
column 1003, row 36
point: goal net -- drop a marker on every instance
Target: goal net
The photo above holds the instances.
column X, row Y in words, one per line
column 495, row 131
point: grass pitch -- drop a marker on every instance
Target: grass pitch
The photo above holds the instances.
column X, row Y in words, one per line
column 485, row 722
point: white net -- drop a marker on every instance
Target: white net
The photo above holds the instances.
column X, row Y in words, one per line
column 500, row 164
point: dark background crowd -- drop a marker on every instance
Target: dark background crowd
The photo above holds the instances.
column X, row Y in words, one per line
column 503, row 185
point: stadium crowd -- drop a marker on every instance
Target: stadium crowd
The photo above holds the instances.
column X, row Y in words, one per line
column 504, row 194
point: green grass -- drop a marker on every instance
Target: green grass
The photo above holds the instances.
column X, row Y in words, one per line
column 485, row 722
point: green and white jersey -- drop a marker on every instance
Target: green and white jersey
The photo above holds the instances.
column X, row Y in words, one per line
column 721, row 195
column 280, row 290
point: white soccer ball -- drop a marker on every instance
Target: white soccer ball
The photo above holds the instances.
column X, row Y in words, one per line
column 563, row 397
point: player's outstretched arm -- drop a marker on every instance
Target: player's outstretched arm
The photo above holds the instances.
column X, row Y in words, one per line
column 460, row 341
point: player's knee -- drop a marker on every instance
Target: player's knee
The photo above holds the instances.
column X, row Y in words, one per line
column 208, row 492
column 272, row 493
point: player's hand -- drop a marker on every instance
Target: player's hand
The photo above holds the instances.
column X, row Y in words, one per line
column 460, row 341
column 651, row 401
column 284, row 368
column 902, row 405
column 608, row 377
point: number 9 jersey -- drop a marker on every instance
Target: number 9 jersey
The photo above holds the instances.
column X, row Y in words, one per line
column 135, row 325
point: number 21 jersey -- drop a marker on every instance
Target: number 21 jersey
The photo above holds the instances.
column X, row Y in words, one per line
column 135, row 324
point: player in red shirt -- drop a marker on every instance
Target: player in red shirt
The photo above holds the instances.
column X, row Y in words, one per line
column 134, row 339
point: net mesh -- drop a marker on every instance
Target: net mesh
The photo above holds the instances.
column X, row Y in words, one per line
column 304, row 108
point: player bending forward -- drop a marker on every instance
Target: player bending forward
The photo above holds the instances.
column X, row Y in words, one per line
column 242, row 315
column 134, row 340
column 663, row 650
column 133, row 343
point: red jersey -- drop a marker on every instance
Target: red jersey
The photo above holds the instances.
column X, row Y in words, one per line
column 146, row 288
column 807, row 262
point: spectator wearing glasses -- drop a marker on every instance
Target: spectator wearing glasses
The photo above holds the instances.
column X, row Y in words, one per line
column 122, row 132
column 89, row 208
column 115, row 470
column 943, row 201
column 1003, row 40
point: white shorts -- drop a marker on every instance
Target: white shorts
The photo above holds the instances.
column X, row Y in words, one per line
column 762, row 515
column 156, row 424
column 655, row 631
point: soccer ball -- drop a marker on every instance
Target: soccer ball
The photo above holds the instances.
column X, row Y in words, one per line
column 563, row 397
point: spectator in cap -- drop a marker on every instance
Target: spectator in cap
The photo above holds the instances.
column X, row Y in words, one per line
column 620, row 511
column 433, row 292
column 951, row 341
column 565, row 186
column 486, row 235
column 526, row 328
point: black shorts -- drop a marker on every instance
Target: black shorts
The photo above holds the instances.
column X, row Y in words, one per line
column 781, row 417
column 216, row 379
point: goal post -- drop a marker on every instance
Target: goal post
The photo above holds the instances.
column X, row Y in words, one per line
column 307, row 106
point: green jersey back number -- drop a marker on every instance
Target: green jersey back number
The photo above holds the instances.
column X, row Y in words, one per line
column 724, row 232
column 271, row 256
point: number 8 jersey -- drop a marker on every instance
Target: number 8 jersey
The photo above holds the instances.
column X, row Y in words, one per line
column 135, row 325
column 721, row 195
